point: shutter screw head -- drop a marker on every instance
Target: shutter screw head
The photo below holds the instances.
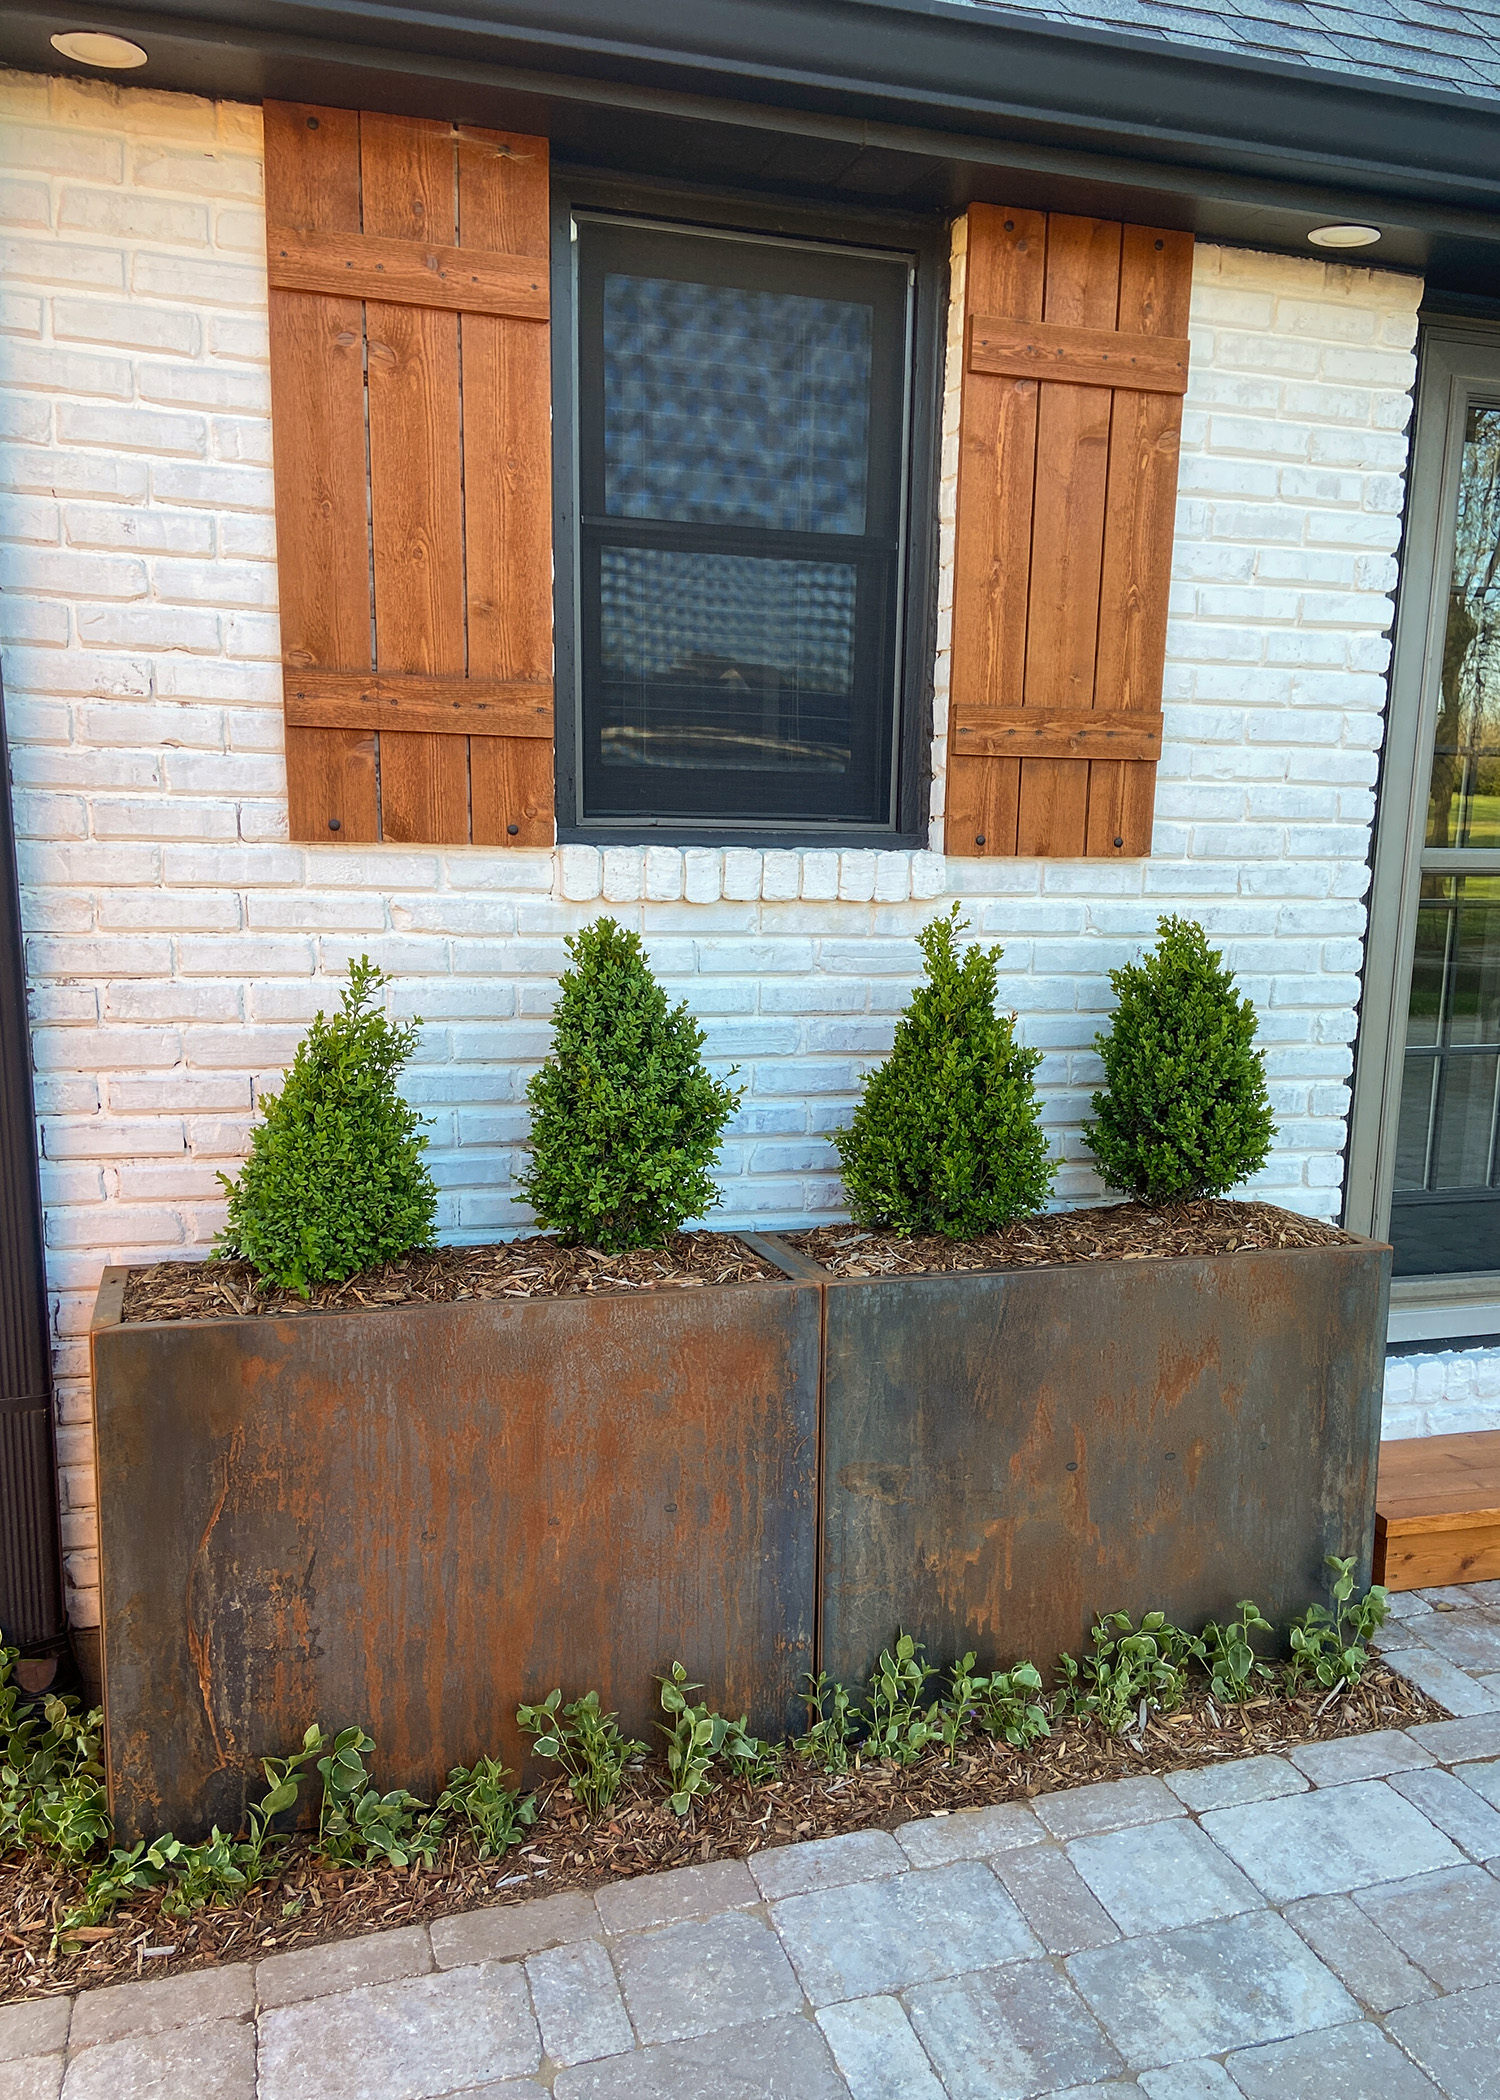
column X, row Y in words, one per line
column 1161, row 244
column 312, row 123
column 1119, row 842
column 979, row 838
column 333, row 824
column 513, row 830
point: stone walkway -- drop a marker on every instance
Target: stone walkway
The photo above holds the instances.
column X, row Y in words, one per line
column 1323, row 1925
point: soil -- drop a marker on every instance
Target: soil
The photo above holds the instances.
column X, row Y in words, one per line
column 529, row 1268
column 1113, row 1232
column 310, row 1903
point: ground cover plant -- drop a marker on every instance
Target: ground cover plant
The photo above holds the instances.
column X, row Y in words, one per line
column 1148, row 1696
column 335, row 1182
column 1184, row 1111
column 946, row 1137
column 626, row 1117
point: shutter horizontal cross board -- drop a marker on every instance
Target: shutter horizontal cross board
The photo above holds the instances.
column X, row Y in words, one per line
column 410, row 404
column 1074, row 369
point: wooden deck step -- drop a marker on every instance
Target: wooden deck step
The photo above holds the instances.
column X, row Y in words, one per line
column 1437, row 1511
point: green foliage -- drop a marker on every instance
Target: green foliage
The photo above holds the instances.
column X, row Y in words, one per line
column 1332, row 1648
column 255, row 1853
column 1184, row 1112
column 833, row 1722
column 51, row 1780
column 585, row 1741
column 626, row 1119
column 128, row 1871
column 947, row 1134
column 493, row 1814
column 958, row 1709
column 897, row 1724
column 1236, row 1672
column 1011, row 1706
column 356, row 1821
column 1131, row 1671
column 335, row 1181
column 697, row 1737
column 206, row 1873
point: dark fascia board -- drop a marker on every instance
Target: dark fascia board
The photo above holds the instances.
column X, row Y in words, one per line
column 915, row 101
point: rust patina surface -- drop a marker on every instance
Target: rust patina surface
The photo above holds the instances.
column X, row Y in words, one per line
column 1006, row 1454
column 416, row 1518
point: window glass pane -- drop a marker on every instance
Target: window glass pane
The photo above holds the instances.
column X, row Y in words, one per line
column 725, row 660
column 1463, row 806
column 729, row 404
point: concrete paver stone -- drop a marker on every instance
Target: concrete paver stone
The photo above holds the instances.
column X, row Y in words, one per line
column 1332, row 1840
column 1354, row 1757
column 343, row 1965
column 511, row 1930
column 577, row 2003
column 969, row 1833
column 209, row 2060
column 1108, row 1805
column 1458, row 1811
column 1241, row 1779
column 696, row 1977
column 1469, row 1638
column 35, row 2029
column 1446, row 1682
column 1017, row 2030
column 879, row 1936
column 1484, row 1780
column 1207, row 1988
column 1054, row 1899
column 31, row 2077
column 876, row 2050
column 1460, row 1741
column 650, row 1900
column 1203, row 2080
column 1358, row 1952
column 1447, row 1924
column 1456, row 2040
column 121, row 2009
column 1161, row 1875
column 785, row 2059
column 411, row 2040
column 827, row 1863
column 1348, row 2063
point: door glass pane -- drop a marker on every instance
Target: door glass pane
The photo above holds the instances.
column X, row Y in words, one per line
column 1463, row 804
column 1445, row 1213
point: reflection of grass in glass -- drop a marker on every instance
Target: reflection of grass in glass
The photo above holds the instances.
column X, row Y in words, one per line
column 1482, row 829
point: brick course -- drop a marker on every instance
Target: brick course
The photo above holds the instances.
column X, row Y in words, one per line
column 178, row 944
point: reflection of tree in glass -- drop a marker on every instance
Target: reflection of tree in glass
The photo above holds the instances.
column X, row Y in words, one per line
column 1463, row 806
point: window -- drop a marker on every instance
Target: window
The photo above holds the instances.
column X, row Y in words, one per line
column 741, row 468
column 1426, row 1154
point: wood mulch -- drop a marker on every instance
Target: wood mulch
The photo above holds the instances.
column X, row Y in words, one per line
column 531, row 1268
column 309, row 1903
column 1112, row 1232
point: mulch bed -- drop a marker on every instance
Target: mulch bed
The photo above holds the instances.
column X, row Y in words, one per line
column 310, row 1903
column 531, row 1268
column 1113, row 1232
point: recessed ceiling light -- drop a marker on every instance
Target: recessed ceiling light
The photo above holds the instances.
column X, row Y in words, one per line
column 1344, row 236
column 91, row 47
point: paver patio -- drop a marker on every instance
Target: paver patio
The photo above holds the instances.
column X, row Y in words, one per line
column 1323, row 1925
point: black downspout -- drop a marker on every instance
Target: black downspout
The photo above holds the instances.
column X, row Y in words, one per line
column 31, row 1589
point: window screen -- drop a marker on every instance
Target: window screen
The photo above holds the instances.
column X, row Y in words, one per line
column 742, row 424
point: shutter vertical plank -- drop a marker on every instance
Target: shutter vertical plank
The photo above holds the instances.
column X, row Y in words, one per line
column 317, row 353
column 992, row 556
column 507, row 463
column 1139, row 522
column 416, row 482
column 1072, row 472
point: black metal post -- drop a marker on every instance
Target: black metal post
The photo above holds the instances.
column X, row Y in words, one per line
column 31, row 1591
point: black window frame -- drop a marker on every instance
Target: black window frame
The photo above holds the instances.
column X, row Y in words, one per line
column 924, row 241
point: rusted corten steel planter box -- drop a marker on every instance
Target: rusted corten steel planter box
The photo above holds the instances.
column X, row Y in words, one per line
column 416, row 1517
column 1007, row 1453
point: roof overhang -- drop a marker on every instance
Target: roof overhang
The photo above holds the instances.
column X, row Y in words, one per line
column 913, row 102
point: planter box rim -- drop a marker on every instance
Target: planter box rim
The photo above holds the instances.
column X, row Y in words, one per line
column 812, row 1271
column 109, row 1301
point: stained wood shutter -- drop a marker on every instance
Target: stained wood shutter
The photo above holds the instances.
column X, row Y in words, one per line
column 1075, row 363
column 410, row 404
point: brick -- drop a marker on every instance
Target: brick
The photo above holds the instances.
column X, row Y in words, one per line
column 380, row 1957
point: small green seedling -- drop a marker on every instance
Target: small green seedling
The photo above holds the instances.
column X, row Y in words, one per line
column 585, row 1741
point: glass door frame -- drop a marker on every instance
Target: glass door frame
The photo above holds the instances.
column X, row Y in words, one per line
column 1459, row 365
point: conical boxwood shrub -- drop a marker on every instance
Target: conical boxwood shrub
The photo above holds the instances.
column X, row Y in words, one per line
column 947, row 1135
column 626, row 1118
column 335, row 1181
column 1184, row 1111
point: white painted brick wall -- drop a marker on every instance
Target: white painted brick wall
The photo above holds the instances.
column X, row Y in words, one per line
column 178, row 945
column 1445, row 1392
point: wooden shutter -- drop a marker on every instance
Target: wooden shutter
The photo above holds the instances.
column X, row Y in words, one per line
column 410, row 404
column 1075, row 363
